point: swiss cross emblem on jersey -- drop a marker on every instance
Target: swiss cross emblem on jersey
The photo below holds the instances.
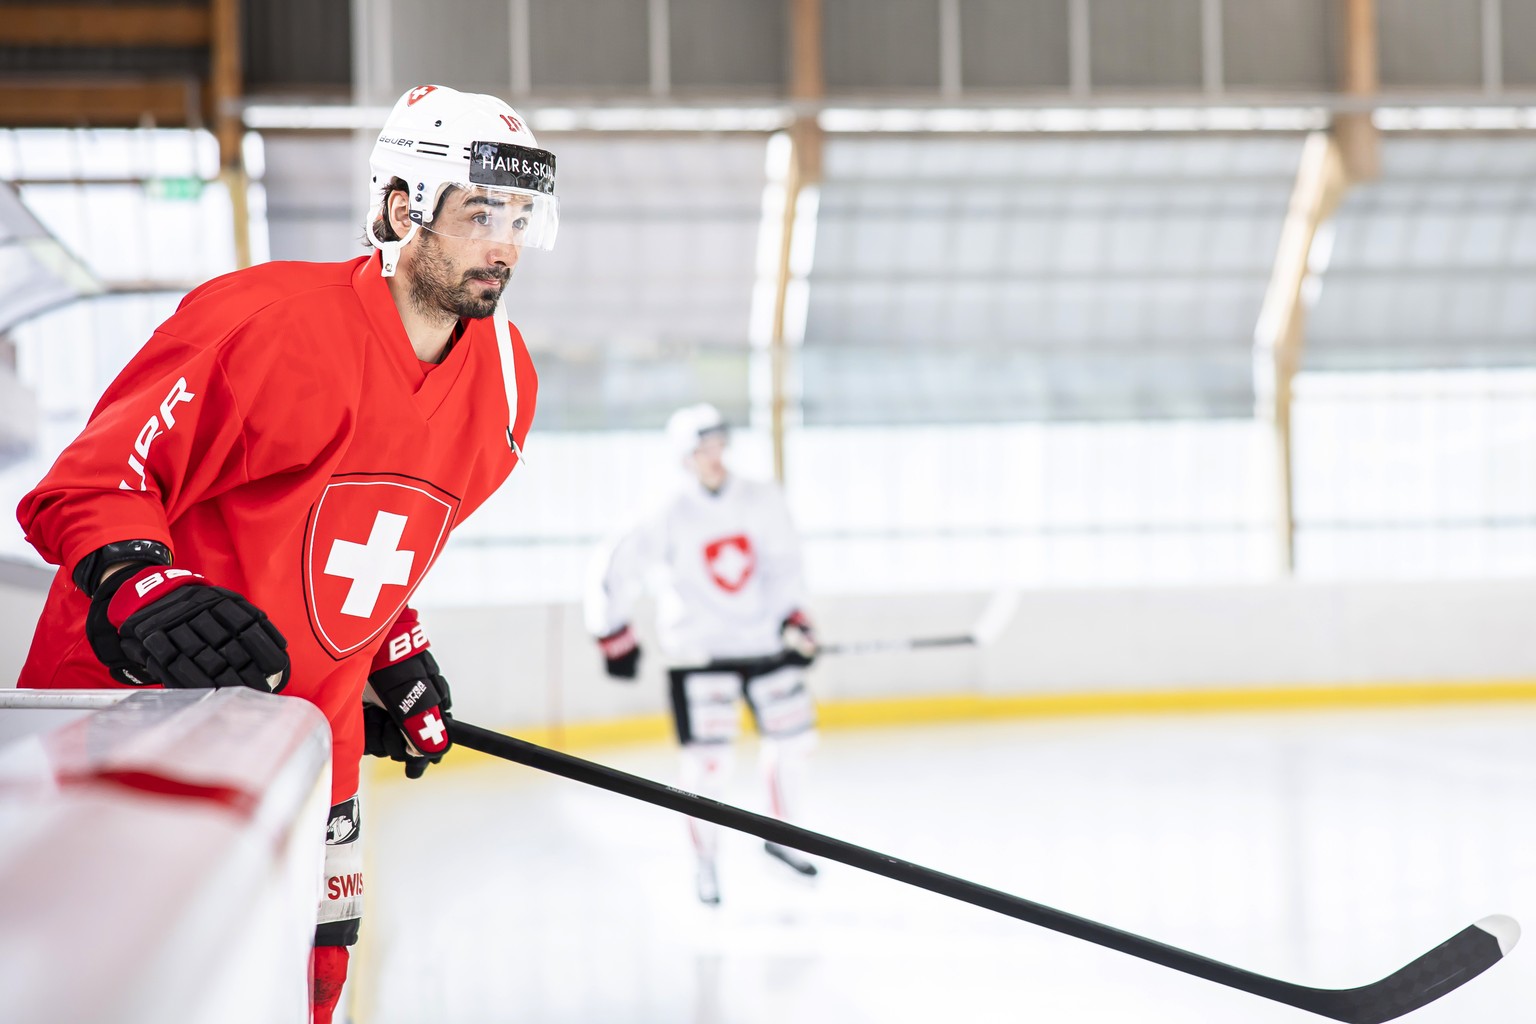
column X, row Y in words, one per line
column 370, row 539
column 730, row 561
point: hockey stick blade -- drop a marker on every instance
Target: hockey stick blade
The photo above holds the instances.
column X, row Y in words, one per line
column 995, row 617
column 1448, row 966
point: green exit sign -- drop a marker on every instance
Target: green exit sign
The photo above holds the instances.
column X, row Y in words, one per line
column 174, row 188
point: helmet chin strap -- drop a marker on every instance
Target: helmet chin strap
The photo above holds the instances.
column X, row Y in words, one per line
column 508, row 372
column 390, row 251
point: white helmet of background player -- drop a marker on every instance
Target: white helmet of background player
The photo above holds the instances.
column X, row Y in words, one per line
column 691, row 425
column 436, row 137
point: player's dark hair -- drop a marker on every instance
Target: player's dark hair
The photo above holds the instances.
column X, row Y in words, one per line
column 382, row 228
column 381, row 225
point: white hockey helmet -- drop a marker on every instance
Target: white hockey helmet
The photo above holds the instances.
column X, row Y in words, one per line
column 690, row 425
column 438, row 137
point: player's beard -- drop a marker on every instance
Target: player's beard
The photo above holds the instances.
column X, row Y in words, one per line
column 435, row 291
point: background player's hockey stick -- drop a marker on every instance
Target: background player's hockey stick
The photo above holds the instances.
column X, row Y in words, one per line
column 1449, row 965
column 994, row 618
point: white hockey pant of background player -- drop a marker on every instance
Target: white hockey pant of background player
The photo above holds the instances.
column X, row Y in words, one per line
column 706, row 706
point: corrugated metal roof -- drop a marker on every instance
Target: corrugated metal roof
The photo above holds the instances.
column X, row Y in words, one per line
column 1434, row 265
column 1007, row 279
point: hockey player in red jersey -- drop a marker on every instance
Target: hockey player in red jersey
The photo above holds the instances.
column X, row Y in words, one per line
column 726, row 562
column 260, row 491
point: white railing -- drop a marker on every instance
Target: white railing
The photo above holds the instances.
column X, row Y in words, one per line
column 161, row 853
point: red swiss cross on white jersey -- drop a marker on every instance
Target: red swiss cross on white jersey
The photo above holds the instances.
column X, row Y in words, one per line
column 730, row 561
column 370, row 539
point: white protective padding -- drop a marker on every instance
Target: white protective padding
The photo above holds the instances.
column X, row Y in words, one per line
column 161, row 855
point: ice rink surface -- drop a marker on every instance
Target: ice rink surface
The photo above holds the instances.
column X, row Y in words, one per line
column 1327, row 849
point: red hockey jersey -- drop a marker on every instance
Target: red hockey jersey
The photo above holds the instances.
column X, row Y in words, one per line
column 279, row 435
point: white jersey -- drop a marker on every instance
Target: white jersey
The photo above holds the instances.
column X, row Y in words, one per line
column 724, row 566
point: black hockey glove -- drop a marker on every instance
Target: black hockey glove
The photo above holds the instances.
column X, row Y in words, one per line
column 621, row 653
column 159, row 624
column 406, row 701
column 799, row 639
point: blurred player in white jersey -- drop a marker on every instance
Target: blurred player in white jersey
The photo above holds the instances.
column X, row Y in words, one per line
column 724, row 563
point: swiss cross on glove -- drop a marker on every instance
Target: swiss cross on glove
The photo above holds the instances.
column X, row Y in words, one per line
column 160, row 624
column 406, row 701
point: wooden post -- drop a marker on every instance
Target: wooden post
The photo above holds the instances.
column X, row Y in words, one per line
column 1361, row 80
column 807, row 87
column 224, row 92
column 1280, row 334
column 1330, row 163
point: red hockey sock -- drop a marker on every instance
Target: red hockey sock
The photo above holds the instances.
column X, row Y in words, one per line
column 327, row 971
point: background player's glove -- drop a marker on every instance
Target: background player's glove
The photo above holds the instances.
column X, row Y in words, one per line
column 799, row 639
column 621, row 653
column 158, row 624
column 406, row 701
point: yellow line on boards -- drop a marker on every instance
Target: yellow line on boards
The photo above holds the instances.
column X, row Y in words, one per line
column 977, row 706
column 966, row 707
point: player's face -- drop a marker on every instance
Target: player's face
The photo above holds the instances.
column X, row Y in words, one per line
column 483, row 214
column 464, row 259
column 708, row 460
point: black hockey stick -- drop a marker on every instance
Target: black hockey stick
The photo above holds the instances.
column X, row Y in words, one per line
column 1449, row 965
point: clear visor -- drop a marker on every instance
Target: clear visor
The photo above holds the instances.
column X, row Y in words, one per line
column 713, row 441
column 503, row 216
